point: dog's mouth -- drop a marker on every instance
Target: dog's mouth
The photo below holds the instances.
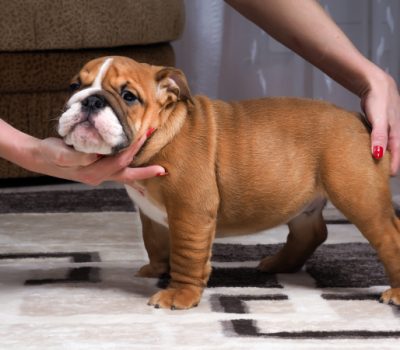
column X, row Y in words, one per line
column 86, row 137
column 93, row 125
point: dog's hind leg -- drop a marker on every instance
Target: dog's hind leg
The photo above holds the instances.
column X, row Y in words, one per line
column 306, row 232
column 364, row 197
column 156, row 242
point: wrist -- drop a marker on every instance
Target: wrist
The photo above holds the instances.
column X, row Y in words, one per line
column 16, row 146
column 33, row 155
column 26, row 153
column 375, row 79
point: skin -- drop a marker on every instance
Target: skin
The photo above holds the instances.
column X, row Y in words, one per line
column 294, row 24
column 52, row 157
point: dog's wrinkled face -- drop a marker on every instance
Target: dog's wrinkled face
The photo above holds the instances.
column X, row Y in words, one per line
column 115, row 101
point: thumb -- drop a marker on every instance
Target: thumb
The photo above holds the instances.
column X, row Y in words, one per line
column 129, row 175
column 379, row 138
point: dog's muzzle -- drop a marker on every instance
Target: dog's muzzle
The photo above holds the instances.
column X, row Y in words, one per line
column 93, row 123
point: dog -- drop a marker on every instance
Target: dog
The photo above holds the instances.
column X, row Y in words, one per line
column 233, row 168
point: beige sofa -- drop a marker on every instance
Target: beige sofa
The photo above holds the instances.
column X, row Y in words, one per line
column 43, row 43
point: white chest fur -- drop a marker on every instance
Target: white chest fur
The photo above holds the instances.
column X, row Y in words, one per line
column 146, row 205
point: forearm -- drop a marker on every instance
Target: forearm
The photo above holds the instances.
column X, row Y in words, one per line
column 306, row 28
column 16, row 146
column 23, row 150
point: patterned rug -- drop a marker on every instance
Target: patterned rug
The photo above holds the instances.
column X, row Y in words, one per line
column 67, row 265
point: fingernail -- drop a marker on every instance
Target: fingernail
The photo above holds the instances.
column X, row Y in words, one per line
column 162, row 174
column 150, row 131
column 99, row 155
column 378, row 152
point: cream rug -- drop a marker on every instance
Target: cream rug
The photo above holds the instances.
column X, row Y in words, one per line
column 67, row 264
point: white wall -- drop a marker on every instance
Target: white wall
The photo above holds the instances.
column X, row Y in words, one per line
column 226, row 56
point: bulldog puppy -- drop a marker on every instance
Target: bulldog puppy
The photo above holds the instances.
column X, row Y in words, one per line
column 237, row 167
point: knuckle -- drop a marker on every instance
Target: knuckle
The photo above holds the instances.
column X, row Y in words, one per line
column 379, row 136
column 394, row 137
column 394, row 134
column 394, row 145
column 123, row 162
column 392, row 113
column 59, row 159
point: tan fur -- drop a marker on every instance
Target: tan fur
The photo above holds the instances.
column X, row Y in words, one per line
column 246, row 166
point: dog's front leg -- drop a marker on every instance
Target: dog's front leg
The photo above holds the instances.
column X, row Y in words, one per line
column 191, row 236
column 156, row 242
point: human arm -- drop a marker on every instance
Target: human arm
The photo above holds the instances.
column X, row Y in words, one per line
column 306, row 28
column 52, row 157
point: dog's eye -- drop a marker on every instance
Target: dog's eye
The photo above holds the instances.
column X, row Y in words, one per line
column 129, row 97
column 74, row 86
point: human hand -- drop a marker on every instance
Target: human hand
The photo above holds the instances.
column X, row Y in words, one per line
column 293, row 24
column 65, row 162
column 381, row 104
column 55, row 151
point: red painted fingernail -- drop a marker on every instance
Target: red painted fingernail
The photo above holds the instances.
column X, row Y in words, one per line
column 150, row 131
column 378, row 152
column 162, row 174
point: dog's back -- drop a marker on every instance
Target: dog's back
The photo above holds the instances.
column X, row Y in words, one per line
column 284, row 148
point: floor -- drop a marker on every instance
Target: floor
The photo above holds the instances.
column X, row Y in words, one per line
column 67, row 282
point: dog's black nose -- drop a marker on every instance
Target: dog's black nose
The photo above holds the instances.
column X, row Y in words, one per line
column 94, row 103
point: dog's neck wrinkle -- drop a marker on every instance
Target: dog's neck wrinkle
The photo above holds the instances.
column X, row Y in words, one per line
column 162, row 137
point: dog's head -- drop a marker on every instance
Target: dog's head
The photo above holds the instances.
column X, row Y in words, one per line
column 116, row 100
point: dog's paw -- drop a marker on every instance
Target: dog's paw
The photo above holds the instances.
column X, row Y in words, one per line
column 150, row 271
column 391, row 296
column 273, row 264
column 177, row 298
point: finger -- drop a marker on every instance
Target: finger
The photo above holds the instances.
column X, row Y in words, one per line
column 112, row 164
column 133, row 149
column 105, row 168
column 128, row 175
column 57, row 152
column 379, row 137
column 72, row 158
column 394, row 147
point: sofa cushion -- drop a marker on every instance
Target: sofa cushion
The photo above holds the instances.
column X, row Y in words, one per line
column 27, row 25
column 44, row 71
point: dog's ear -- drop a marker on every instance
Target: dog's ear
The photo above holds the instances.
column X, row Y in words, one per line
column 172, row 86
